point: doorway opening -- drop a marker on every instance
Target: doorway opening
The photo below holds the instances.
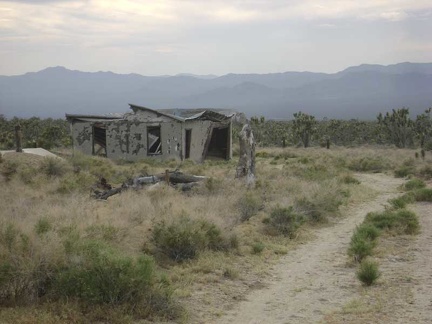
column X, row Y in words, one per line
column 188, row 138
column 99, row 140
column 219, row 145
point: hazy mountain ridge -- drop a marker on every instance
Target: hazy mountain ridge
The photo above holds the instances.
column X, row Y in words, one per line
column 356, row 92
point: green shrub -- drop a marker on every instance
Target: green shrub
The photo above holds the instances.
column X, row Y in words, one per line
column 423, row 194
column 287, row 155
column 414, row 183
column 284, row 221
column 96, row 273
column 106, row 233
column 310, row 209
column 24, row 273
column 360, row 248
column 368, row 272
column 257, row 247
column 28, row 175
column 87, row 271
column 426, row 172
column 42, row 226
column 362, row 242
column 233, row 241
column 400, row 221
column 97, row 166
column 8, row 169
column 368, row 164
column 368, row 231
column 314, row 172
column 81, row 181
column 402, row 201
column 404, row 171
column 304, row 160
column 323, row 203
column 249, row 205
column 231, row 273
column 184, row 238
column 54, row 167
column 262, row 154
column 212, row 184
column 349, row 179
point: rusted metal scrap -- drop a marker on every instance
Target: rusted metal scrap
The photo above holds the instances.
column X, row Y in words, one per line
column 182, row 181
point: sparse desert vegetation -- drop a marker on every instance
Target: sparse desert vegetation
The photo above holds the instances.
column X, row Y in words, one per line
column 163, row 254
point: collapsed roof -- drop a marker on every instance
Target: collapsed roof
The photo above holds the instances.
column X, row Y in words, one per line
column 182, row 115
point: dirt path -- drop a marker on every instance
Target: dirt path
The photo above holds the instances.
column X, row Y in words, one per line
column 313, row 280
column 415, row 265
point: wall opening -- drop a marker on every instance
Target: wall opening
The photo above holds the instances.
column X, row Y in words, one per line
column 219, row 144
column 154, row 143
column 188, row 139
column 99, row 140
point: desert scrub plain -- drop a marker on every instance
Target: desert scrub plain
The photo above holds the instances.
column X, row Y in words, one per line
column 160, row 254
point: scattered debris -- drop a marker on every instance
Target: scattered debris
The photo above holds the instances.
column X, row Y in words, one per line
column 184, row 182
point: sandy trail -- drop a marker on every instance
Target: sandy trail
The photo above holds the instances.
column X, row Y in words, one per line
column 419, row 268
column 313, row 280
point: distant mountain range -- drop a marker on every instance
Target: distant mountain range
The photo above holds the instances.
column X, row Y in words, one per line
column 356, row 92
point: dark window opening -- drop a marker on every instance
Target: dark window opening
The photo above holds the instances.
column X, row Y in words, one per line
column 154, row 144
column 219, row 144
column 188, row 139
column 99, row 140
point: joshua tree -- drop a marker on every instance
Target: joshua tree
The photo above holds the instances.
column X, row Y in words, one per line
column 398, row 126
column 423, row 126
column 304, row 126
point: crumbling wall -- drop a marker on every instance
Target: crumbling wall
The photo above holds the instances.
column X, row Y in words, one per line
column 172, row 139
column 82, row 137
column 201, row 131
column 127, row 139
column 119, row 140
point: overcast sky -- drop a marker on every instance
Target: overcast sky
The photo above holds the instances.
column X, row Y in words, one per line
column 212, row 36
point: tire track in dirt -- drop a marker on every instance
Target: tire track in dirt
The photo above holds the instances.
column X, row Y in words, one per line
column 313, row 280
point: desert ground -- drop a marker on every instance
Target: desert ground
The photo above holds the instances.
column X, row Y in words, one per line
column 259, row 272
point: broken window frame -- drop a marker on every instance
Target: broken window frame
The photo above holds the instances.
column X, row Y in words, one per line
column 154, row 140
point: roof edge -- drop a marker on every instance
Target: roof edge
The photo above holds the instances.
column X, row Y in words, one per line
column 77, row 116
column 157, row 112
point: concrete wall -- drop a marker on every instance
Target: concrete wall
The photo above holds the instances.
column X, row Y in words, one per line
column 127, row 139
column 82, row 136
column 201, row 130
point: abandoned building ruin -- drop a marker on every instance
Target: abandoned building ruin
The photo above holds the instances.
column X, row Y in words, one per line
column 195, row 134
